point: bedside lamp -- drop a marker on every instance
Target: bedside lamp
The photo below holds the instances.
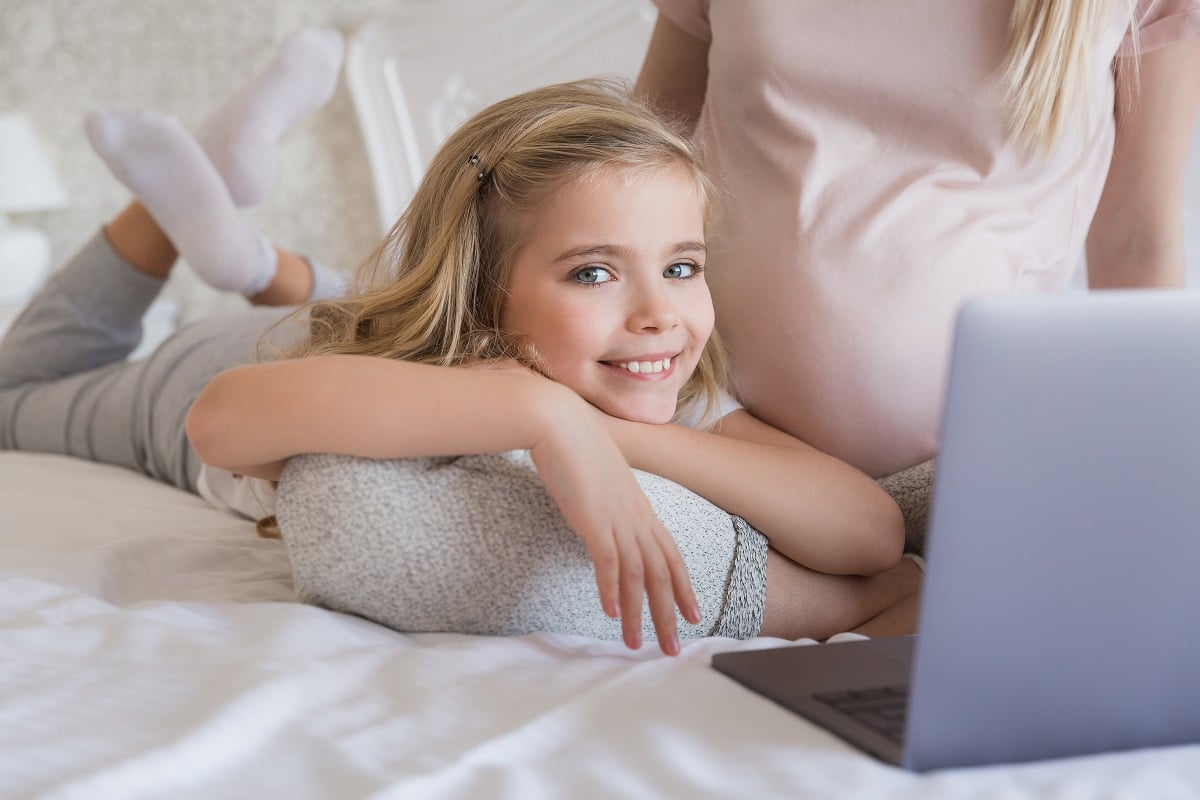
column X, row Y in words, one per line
column 28, row 182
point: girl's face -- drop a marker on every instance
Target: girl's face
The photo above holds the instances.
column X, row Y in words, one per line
column 608, row 286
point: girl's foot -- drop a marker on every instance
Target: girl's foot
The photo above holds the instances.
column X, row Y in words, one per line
column 163, row 165
column 242, row 136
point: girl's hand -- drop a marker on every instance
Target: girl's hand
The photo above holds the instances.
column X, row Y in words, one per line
column 633, row 552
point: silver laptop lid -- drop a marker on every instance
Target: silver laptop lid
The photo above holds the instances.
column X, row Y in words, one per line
column 1064, row 546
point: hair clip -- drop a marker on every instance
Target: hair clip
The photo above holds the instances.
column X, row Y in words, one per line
column 483, row 173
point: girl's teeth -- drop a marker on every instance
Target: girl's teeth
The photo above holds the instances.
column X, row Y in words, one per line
column 638, row 367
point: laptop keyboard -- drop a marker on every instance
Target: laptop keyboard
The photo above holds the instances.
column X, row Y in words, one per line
column 881, row 709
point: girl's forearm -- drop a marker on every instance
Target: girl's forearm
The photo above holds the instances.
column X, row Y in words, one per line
column 251, row 419
column 818, row 511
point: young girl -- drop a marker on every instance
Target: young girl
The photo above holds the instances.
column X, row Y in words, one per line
column 544, row 291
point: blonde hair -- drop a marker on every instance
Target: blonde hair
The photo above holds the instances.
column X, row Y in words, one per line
column 1053, row 50
column 433, row 290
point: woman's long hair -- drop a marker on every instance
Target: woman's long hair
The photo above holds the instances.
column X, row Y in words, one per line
column 433, row 290
column 1052, row 56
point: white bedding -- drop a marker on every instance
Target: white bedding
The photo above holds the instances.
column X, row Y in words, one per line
column 150, row 647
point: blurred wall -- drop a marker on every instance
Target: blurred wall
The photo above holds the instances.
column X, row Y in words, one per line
column 60, row 58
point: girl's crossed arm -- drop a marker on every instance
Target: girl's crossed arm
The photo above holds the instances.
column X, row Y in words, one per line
column 251, row 419
column 817, row 510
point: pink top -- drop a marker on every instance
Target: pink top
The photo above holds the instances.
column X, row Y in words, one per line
column 864, row 144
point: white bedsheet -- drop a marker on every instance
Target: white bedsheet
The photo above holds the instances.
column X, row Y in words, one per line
column 150, row 647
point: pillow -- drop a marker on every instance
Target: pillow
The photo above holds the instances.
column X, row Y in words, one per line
column 474, row 544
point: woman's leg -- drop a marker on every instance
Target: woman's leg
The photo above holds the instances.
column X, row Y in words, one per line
column 803, row 603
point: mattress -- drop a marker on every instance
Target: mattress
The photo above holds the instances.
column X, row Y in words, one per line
column 150, row 646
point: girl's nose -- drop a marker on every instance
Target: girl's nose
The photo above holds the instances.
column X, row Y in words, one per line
column 654, row 310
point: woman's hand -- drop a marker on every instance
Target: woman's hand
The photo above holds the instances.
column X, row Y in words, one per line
column 633, row 552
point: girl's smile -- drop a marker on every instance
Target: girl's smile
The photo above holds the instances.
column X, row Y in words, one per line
column 652, row 367
column 608, row 286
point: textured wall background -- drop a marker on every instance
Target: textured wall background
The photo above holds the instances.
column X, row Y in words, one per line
column 61, row 58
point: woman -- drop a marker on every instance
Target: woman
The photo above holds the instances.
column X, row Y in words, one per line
column 886, row 160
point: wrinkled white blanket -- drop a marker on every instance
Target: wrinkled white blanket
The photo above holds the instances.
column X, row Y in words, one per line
column 151, row 647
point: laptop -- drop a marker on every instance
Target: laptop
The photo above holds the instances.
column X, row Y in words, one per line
column 1063, row 554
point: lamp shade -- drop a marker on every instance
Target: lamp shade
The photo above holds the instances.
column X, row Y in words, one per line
column 28, row 181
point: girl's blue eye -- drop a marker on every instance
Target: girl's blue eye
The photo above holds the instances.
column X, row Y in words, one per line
column 593, row 275
column 681, row 270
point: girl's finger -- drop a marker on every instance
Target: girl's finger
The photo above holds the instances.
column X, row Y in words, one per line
column 633, row 587
column 603, row 552
column 659, row 592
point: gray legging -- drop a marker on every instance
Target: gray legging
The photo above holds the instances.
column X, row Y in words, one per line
column 65, row 387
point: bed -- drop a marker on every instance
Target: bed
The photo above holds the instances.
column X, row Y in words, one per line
column 151, row 646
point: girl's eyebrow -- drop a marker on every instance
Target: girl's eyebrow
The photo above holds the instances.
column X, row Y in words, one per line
column 609, row 250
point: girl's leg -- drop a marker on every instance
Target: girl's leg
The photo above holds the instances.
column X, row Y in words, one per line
column 183, row 208
column 803, row 603
column 138, row 239
column 88, row 315
column 174, row 181
column 188, row 188
column 242, row 136
column 239, row 142
column 64, row 385
column 65, row 388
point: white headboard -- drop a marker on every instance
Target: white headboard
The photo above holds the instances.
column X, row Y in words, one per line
column 417, row 72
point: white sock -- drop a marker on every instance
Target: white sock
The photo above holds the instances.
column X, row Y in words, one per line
column 242, row 136
column 163, row 165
